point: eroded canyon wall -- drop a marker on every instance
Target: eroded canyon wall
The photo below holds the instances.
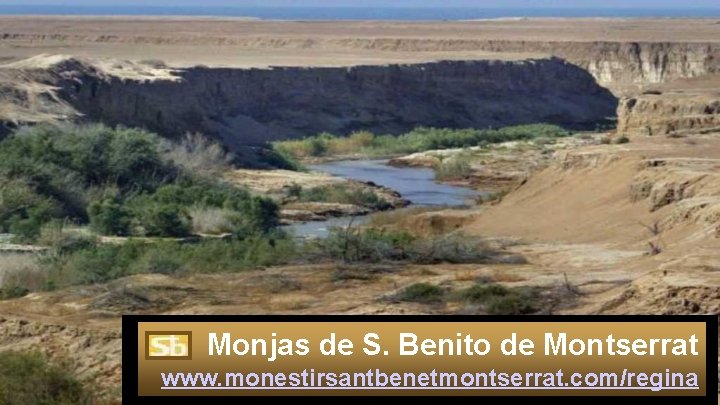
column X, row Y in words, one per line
column 619, row 66
column 669, row 114
column 251, row 106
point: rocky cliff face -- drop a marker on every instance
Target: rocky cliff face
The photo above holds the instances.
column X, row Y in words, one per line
column 669, row 114
column 615, row 64
column 250, row 106
column 626, row 65
column 619, row 66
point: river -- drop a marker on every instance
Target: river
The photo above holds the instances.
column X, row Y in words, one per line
column 417, row 185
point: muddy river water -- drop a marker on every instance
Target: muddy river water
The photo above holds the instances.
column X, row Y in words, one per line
column 417, row 185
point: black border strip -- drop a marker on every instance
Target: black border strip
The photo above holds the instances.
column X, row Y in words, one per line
column 130, row 349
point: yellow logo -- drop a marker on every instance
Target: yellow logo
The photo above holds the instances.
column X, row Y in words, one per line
column 168, row 345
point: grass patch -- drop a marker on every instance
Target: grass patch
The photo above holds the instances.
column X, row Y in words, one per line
column 30, row 378
column 418, row 140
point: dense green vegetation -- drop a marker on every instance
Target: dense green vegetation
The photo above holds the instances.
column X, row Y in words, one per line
column 30, row 378
column 78, row 258
column 75, row 259
column 418, row 140
column 88, row 262
column 342, row 194
column 117, row 180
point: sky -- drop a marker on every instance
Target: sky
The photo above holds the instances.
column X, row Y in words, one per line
column 652, row 4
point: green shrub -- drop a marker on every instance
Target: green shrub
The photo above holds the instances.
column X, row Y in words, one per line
column 8, row 292
column 294, row 190
column 281, row 158
column 454, row 168
column 23, row 209
column 164, row 220
column 103, row 263
column 108, row 217
column 30, row 378
column 513, row 304
column 376, row 245
column 450, row 248
column 160, row 259
column 499, row 300
column 371, row 245
column 417, row 140
column 345, row 194
column 483, row 292
column 93, row 265
column 621, row 140
column 421, row 292
column 114, row 179
column 318, row 146
column 62, row 241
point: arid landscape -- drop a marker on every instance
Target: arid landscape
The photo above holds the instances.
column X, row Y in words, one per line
column 613, row 207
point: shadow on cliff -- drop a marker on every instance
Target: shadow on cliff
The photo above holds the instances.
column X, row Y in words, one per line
column 252, row 106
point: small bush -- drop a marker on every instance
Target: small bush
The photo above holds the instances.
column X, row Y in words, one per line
column 371, row 245
column 212, row 221
column 30, row 378
column 512, row 304
column 108, row 217
column 318, row 147
column 482, row 292
column 62, row 240
column 8, row 292
column 294, row 190
column 499, row 300
column 20, row 274
column 197, row 154
column 621, row 140
column 376, row 245
column 450, row 248
column 281, row 158
column 455, row 168
column 421, row 292
column 164, row 220
column 160, row 260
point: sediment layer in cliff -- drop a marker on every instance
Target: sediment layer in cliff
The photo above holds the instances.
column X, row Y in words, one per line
column 621, row 65
column 253, row 106
column 669, row 114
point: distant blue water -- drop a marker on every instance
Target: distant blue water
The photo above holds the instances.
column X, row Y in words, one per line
column 358, row 13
